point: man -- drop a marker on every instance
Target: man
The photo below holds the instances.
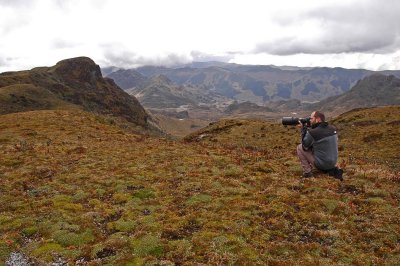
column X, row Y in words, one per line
column 319, row 147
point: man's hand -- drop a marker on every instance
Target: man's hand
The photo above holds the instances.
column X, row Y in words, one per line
column 303, row 130
column 299, row 125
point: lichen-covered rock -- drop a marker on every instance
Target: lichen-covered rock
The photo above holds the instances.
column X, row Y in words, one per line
column 17, row 259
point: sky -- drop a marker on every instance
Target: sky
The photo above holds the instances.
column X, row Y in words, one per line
column 131, row 33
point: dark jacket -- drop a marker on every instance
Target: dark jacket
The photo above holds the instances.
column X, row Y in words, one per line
column 322, row 139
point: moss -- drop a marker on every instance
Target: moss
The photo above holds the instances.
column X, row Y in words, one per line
column 5, row 250
column 4, row 139
column 118, row 240
column 235, row 190
column 59, row 200
column 19, row 205
column 393, row 260
column 75, row 207
column 122, row 225
column 330, row 205
column 9, row 223
column 30, row 231
column 376, row 201
column 197, row 199
column 377, row 193
column 120, row 198
column 228, row 243
column 277, row 208
column 11, row 162
column 95, row 202
column 101, row 251
column 144, row 194
column 100, row 192
column 136, row 262
column 134, row 203
column 4, row 219
column 233, row 171
column 179, row 250
column 147, row 245
column 313, row 190
column 67, row 238
column 80, row 196
column 47, row 250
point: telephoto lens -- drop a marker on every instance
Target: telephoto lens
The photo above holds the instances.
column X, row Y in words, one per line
column 290, row 121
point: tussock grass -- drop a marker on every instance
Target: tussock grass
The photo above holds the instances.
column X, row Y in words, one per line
column 76, row 187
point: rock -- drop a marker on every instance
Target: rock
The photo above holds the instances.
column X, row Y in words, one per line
column 80, row 69
column 17, row 259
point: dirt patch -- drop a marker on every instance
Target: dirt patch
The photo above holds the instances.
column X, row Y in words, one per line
column 373, row 137
column 350, row 189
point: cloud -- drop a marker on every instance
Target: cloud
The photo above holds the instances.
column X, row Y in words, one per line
column 39, row 32
column 12, row 24
column 71, row 5
column 115, row 55
column 125, row 58
column 2, row 62
column 198, row 56
column 6, row 62
column 394, row 63
column 360, row 27
column 13, row 15
column 15, row 3
column 63, row 44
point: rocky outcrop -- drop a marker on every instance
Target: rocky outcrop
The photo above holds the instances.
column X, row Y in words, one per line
column 78, row 70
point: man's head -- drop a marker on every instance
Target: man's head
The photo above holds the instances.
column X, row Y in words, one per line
column 317, row 117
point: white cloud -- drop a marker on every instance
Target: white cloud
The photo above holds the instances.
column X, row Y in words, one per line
column 308, row 32
column 358, row 27
column 349, row 60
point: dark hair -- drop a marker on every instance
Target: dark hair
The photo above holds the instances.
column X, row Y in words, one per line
column 320, row 115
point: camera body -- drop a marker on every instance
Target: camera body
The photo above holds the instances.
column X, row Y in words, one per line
column 293, row 121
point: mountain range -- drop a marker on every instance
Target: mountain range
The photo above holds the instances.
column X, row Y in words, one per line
column 180, row 100
column 209, row 90
column 373, row 90
column 255, row 83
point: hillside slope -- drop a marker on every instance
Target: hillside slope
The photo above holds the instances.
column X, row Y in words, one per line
column 76, row 189
column 71, row 83
column 128, row 79
column 27, row 97
column 374, row 90
column 161, row 93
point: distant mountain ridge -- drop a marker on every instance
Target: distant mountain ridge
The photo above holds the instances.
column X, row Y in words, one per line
column 160, row 92
column 259, row 83
column 128, row 79
column 75, row 83
column 373, row 90
column 246, row 107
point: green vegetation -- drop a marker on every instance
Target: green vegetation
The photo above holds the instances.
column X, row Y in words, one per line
column 75, row 186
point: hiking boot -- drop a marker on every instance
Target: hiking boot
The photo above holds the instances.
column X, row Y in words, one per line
column 338, row 174
column 308, row 175
column 335, row 173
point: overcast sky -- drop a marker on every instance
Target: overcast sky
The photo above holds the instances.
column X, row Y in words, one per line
column 130, row 33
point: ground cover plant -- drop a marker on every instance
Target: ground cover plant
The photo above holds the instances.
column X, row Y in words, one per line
column 75, row 188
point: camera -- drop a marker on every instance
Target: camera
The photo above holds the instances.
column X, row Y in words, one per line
column 292, row 121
